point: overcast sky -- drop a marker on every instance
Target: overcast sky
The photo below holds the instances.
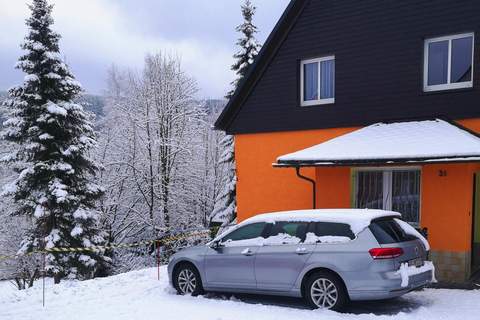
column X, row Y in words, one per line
column 97, row 33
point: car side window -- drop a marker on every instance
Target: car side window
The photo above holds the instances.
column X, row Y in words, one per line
column 329, row 232
column 333, row 229
column 284, row 232
column 247, row 235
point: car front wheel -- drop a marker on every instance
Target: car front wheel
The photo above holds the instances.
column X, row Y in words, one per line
column 325, row 291
column 187, row 280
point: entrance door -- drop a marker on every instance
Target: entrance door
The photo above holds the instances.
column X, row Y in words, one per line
column 476, row 226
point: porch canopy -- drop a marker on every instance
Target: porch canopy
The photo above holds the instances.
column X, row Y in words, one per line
column 411, row 142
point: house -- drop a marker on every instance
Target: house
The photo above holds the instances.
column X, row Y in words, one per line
column 372, row 104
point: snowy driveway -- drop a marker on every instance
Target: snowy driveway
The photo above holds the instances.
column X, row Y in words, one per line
column 138, row 295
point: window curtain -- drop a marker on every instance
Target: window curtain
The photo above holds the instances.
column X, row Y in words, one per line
column 437, row 63
column 406, row 195
column 310, row 81
column 397, row 190
column 327, row 81
column 461, row 60
column 369, row 190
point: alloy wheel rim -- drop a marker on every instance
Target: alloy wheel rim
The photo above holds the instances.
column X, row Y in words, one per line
column 324, row 293
column 187, row 282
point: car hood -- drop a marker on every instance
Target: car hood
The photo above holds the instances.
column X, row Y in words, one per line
column 192, row 250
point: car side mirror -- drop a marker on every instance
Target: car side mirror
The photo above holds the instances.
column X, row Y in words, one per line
column 215, row 245
column 424, row 232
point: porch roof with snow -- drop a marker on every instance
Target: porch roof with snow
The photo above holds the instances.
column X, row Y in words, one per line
column 411, row 142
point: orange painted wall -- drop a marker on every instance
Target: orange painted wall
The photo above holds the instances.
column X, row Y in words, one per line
column 446, row 202
column 333, row 187
column 446, row 205
column 472, row 124
column 262, row 188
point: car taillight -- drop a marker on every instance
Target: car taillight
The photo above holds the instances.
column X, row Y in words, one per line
column 385, row 253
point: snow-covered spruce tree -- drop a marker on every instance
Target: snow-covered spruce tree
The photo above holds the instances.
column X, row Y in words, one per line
column 52, row 137
column 247, row 43
column 225, row 210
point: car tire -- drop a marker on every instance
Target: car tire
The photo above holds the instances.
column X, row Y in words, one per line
column 325, row 290
column 187, row 281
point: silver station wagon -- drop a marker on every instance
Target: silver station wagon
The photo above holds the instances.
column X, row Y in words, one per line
column 328, row 257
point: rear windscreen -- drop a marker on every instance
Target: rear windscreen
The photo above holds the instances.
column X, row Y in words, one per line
column 388, row 231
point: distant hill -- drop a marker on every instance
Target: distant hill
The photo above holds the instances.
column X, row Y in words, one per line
column 90, row 102
column 96, row 104
column 3, row 96
column 93, row 103
column 214, row 106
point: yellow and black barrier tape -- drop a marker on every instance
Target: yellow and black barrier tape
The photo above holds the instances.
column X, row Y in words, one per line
column 162, row 241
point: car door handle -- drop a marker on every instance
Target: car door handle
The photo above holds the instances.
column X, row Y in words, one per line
column 247, row 252
column 301, row 251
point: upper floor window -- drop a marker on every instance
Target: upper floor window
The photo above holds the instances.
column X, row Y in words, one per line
column 317, row 81
column 449, row 62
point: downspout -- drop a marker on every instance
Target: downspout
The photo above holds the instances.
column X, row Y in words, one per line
column 314, row 186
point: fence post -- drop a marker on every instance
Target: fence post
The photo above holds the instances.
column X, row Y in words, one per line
column 158, row 260
column 43, row 279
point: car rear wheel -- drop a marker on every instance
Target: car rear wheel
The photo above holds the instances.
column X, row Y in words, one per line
column 325, row 291
column 187, row 280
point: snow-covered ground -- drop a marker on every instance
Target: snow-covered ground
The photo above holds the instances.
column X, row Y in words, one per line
column 139, row 295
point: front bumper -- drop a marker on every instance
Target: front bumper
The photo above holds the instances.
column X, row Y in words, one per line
column 170, row 271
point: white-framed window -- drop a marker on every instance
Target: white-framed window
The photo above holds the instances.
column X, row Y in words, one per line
column 448, row 62
column 317, row 81
column 396, row 189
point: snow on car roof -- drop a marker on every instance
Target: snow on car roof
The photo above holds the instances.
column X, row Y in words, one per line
column 358, row 219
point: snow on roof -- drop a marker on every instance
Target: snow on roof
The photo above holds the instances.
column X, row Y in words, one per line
column 358, row 219
column 422, row 141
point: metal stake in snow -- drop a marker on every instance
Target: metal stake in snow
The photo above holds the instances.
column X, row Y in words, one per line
column 158, row 259
column 43, row 280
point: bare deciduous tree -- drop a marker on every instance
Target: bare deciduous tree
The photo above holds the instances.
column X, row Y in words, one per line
column 154, row 153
